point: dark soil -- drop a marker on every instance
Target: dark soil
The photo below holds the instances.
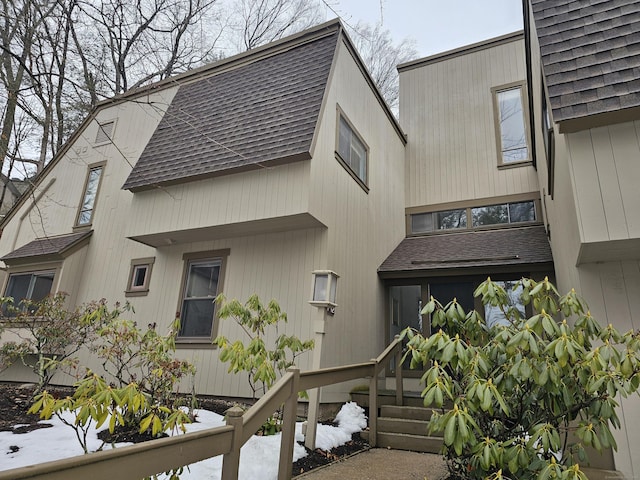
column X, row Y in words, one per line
column 15, row 400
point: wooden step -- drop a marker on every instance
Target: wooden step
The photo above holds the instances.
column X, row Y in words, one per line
column 402, row 425
column 406, row 412
column 405, row 441
column 387, row 397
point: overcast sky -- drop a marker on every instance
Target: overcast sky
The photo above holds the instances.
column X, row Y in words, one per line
column 436, row 25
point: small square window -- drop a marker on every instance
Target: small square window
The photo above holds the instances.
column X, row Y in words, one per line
column 139, row 277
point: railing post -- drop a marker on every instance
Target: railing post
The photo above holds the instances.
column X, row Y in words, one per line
column 231, row 460
column 373, row 405
column 399, row 384
column 312, row 419
column 314, row 394
column 289, row 428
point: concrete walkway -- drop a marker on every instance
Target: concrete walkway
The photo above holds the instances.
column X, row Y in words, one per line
column 382, row 464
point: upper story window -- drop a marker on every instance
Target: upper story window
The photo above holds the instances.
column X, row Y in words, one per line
column 105, row 132
column 511, row 129
column 474, row 217
column 92, row 184
column 503, row 213
column 443, row 220
column 352, row 151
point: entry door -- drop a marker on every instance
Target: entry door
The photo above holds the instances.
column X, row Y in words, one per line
column 405, row 304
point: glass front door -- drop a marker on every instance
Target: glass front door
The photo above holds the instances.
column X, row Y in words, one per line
column 405, row 304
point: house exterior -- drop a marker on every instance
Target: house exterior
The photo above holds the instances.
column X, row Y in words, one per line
column 513, row 156
column 549, row 116
column 585, row 86
column 472, row 206
column 242, row 177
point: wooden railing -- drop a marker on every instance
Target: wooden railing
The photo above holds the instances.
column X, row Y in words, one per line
column 149, row 458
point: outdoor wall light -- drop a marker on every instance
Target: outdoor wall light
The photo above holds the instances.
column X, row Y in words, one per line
column 324, row 289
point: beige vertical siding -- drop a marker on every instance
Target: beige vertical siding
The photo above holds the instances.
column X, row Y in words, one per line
column 605, row 171
column 55, row 210
column 244, row 197
column 363, row 228
column 611, row 289
column 447, row 111
column 596, row 199
column 274, row 266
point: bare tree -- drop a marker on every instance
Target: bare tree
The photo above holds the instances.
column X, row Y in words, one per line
column 381, row 56
column 59, row 57
column 263, row 21
column 136, row 42
column 19, row 24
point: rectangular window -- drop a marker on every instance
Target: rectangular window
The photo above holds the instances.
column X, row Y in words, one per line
column 511, row 128
column 352, row 151
column 29, row 286
column 105, row 132
column 445, row 220
column 503, row 213
column 85, row 214
column 518, row 212
column 139, row 277
column 201, row 285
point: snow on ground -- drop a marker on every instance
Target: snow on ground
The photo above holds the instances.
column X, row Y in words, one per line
column 258, row 458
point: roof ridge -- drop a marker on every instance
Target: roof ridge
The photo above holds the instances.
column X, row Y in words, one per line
column 235, row 61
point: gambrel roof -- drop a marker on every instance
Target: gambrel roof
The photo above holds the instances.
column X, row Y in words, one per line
column 259, row 113
column 590, row 54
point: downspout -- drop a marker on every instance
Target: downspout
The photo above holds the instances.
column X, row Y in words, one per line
column 526, row 19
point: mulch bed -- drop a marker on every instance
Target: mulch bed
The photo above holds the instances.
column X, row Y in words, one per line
column 15, row 400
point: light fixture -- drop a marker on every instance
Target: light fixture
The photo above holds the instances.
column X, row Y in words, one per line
column 324, row 289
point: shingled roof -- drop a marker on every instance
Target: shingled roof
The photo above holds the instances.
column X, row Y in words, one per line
column 56, row 246
column 590, row 54
column 525, row 246
column 262, row 112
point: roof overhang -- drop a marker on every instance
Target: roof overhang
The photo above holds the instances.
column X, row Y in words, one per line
column 48, row 249
column 239, row 229
column 524, row 249
column 578, row 124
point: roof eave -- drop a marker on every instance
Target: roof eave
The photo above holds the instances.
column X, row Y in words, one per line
column 524, row 268
column 134, row 187
column 573, row 125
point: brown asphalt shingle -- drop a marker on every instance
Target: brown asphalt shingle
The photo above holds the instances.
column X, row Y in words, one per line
column 47, row 246
column 263, row 111
column 500, row 247
column 590, row 54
